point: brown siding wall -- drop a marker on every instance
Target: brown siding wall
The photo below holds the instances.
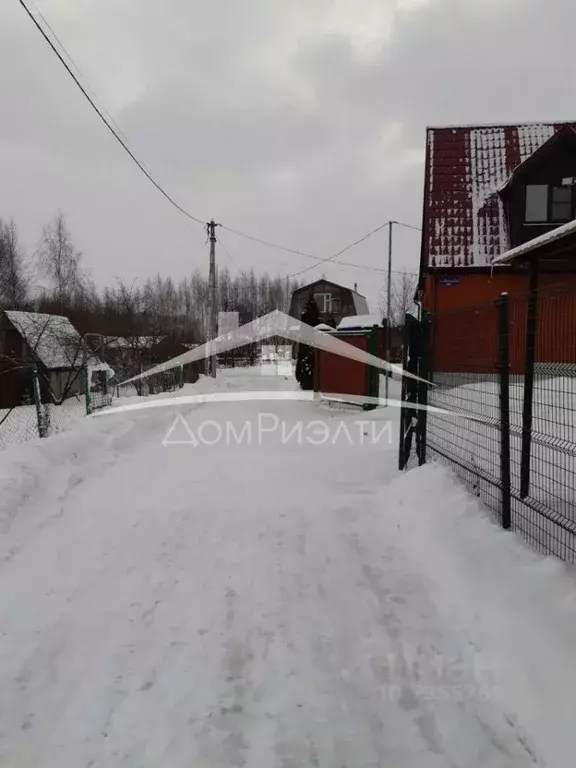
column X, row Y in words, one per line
column 465, row 322
column 340, row 375
column 468, row 289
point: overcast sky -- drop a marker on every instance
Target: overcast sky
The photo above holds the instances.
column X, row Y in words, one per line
column 299, row 121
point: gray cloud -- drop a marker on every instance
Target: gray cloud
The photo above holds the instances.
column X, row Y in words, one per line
column 265, row 115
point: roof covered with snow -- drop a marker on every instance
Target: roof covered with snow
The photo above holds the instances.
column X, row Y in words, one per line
column 538, row 242
column 324, row 327
column 464, row 222
column 359, row 321
column 360, row 303
column 52, row 338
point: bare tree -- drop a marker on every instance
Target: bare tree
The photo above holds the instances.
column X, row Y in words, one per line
column 402, row 291
column 60, row 260
column 13, row 273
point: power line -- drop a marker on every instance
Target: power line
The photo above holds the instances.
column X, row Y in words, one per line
column 351, row 264
column 319, row 259
column 100, row 114
column 77, row 68
column 270, row 245
column 408, row 226
column 221, row 244
column 116, row 131
column 343, row 250
column 353, row 245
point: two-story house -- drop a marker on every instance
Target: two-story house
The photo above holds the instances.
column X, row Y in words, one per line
column 334, row 301
column 488, row 189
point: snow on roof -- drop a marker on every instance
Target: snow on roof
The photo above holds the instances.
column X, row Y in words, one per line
column 52, row 338
column 95, row 364
column 132, row 342
column 360, row 303
column 323, row 327
column 548, row 237
column 464, row 222
column 359, row 321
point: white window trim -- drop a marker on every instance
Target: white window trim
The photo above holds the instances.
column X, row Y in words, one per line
column 326, row 301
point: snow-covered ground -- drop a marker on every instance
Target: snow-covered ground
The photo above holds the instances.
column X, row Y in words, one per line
column 281, row 598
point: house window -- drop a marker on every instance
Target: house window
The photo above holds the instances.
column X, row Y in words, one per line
column 549, row 204
column 536, row 202
column 561, row 204
column 324, row 301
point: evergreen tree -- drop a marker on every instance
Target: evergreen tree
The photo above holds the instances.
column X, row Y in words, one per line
column 305, row 361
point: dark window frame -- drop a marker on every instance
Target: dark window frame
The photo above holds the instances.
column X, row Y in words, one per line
column 550, row 203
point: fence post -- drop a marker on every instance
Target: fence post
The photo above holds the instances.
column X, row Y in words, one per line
column 531, row 325
column 502, row 305
column 404, row 415
column 38, row 402
column 372, row 373
column 424, row 372
column 86, row 375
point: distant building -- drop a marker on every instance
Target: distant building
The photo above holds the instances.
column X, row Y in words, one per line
column 52, row 344
column 334, row 301
column 168, row 347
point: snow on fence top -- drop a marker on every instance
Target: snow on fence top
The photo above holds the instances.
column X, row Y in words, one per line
column 359, row 321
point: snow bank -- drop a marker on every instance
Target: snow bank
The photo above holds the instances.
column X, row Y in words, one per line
column 517, row 608
column 51, row 466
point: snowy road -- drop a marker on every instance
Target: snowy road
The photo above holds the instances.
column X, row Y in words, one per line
column 229, row 605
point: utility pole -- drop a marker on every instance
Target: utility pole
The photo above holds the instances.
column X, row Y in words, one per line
column 389, row 306
column 213, row 318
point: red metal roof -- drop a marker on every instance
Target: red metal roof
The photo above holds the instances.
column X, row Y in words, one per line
column 464, row 222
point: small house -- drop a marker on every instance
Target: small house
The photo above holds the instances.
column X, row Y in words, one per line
column 52, row 344
column 334, row 301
